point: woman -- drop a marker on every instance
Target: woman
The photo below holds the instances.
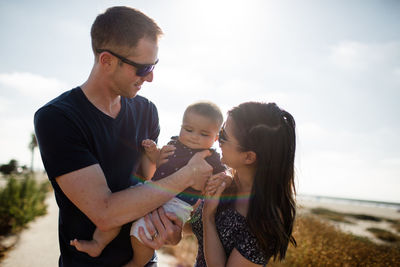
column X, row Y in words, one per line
column 253, row 220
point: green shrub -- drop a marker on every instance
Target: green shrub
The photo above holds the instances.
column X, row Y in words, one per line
column 21, row 200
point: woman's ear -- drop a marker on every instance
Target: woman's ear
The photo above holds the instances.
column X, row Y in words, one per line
column 250, row 157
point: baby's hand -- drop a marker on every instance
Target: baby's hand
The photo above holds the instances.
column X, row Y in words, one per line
column 165, row 152
column 215, row 181
column 215, row 186
column 152, row 152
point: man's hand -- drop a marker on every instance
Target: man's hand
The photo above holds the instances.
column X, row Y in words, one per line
column 165, row 228
column 199, row 169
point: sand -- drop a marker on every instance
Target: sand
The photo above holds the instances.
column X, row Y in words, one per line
column 37, row 246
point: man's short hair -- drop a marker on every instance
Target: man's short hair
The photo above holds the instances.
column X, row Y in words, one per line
column 206, row 109
column 121, row 28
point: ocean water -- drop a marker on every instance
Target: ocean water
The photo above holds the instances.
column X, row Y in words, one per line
column 356, row 202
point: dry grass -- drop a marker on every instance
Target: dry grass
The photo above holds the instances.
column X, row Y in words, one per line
column 319, row 244
column 330, row 215
column 384, row 235
column 322, row 244
column 395, row 225
column 381, row 234
column 185, row 252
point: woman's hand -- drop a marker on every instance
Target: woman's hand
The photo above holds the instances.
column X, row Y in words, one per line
column 215, row 185
column 213, row 250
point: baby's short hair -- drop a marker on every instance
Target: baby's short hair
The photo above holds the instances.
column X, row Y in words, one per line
column 206, row 109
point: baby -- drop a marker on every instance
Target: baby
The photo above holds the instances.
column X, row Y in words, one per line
column 200, row 127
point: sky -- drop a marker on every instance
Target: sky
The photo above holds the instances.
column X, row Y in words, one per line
column 334, row 65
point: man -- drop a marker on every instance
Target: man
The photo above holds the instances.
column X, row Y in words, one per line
column 90, row 141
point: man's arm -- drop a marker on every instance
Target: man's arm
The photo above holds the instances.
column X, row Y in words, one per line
column 87, row 189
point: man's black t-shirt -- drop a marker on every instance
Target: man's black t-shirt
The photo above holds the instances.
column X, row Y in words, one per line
column 72, row 134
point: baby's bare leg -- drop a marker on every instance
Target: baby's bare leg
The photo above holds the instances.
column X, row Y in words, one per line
column 141, row 253
column 95, row 246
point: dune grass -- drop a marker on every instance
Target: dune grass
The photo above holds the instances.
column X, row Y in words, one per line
column 330, row 215
column 381, row 234
column 319, row 244
column 342, row 217
column 384, row 235
column 395, row 225
column 322, row 244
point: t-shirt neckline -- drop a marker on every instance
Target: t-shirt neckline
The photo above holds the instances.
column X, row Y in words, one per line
column 104, row 115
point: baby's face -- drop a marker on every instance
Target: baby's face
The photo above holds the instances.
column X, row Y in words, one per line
column 198, row 132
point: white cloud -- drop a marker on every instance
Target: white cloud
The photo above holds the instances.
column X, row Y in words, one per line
column 70, row 27
column 14, row 139
column 345, row 163
column 391, row 162
column 4, row 104
column 348, row 174
column 396, row 74
column 21, row 95
column 31, row 85
column 353, row 55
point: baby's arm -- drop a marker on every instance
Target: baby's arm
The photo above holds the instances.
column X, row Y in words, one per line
column 149, row 158
column 151, row 150
column 154, row 157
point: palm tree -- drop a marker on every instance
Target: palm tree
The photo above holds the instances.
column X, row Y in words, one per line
column 32, row 145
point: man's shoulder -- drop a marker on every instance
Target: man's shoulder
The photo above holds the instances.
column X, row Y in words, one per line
column 57, row 104
column 140, row 101
column 56, row 110
column 65, row 99
column 142, row 107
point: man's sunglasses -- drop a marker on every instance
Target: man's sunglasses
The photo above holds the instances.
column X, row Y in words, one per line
column 141, row 69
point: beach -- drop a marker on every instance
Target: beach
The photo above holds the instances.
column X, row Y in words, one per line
column 37, row 246
column 355, row 226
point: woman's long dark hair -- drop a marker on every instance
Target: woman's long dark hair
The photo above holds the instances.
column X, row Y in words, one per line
column 269, row 131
